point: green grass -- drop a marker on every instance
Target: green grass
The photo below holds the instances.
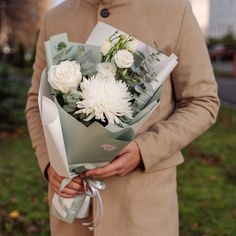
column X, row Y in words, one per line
column 207, row 181
column 22, row 189
column 207, row 185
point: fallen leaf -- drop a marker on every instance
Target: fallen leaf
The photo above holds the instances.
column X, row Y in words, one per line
column 14, row 214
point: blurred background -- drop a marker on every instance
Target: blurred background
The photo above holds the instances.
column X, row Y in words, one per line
column 207, row 179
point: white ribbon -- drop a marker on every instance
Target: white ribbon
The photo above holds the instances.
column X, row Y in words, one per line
column 92, row 188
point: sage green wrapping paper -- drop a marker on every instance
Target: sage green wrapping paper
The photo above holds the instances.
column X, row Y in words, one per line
column 93, row 143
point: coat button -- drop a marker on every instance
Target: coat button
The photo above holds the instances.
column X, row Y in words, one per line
column 104, row 13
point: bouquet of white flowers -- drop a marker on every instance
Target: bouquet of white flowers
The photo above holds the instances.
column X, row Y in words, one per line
column 92, row 100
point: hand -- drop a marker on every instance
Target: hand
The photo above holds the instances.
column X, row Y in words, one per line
column 126, row 161
column 74, row 188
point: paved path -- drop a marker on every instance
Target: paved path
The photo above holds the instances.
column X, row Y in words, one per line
column 226, row 66
column 226, row 86
column 227, row 89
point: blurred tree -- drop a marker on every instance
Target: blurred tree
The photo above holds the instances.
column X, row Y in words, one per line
column 19, row 57
column 228, row 39
column 12, row 95
column 19, row 23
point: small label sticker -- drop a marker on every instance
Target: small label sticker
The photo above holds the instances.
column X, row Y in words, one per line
column 108, row 147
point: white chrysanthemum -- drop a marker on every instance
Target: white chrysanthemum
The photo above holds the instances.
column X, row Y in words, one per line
column 103, row 98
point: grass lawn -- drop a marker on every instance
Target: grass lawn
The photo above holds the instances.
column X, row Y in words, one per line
column 207, row 185
column 207, row 181
column 23, row 199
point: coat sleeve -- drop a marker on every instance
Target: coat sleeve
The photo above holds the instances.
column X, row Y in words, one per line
column 32, row 109
column 195, row 92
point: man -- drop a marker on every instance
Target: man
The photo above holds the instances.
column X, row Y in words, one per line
column 137, row 201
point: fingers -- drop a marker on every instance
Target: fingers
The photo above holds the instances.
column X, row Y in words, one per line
column 71, row 190
column 126, row 161
column 78, row 180
column 74, row 188
column 114, row 168
column 67, row 195
column 109, row 174
column 75, row 184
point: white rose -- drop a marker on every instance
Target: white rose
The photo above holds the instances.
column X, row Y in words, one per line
column 131, row 45
column 124, row 59
column 65, row 76
column 105, row 48
column 106, row 69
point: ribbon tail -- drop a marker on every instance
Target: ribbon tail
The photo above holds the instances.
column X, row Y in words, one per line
column 68, row 215
column 84, row 210
column 99, row 206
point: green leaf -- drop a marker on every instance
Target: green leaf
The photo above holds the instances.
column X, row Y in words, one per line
column 68, row 108
column 138, row 58
column 61, row 46
column 139, row 88
column 125, row 119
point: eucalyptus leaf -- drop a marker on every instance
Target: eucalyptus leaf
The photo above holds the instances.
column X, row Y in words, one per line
column 72, row 105
column 61, row 45
column 148, row 87
column 80, row 49
column 72, row 96
column 139, row 88
column 69, row 49
column 135, row 108
column 83, row 56
column 58, row 56
column 88, row 68
column 68, row 108
column 125, row 119
column 137, row 70
column 139, row 102
column 122, row 76
column 140, row 55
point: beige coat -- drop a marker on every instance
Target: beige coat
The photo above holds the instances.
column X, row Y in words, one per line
column 143, row 203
